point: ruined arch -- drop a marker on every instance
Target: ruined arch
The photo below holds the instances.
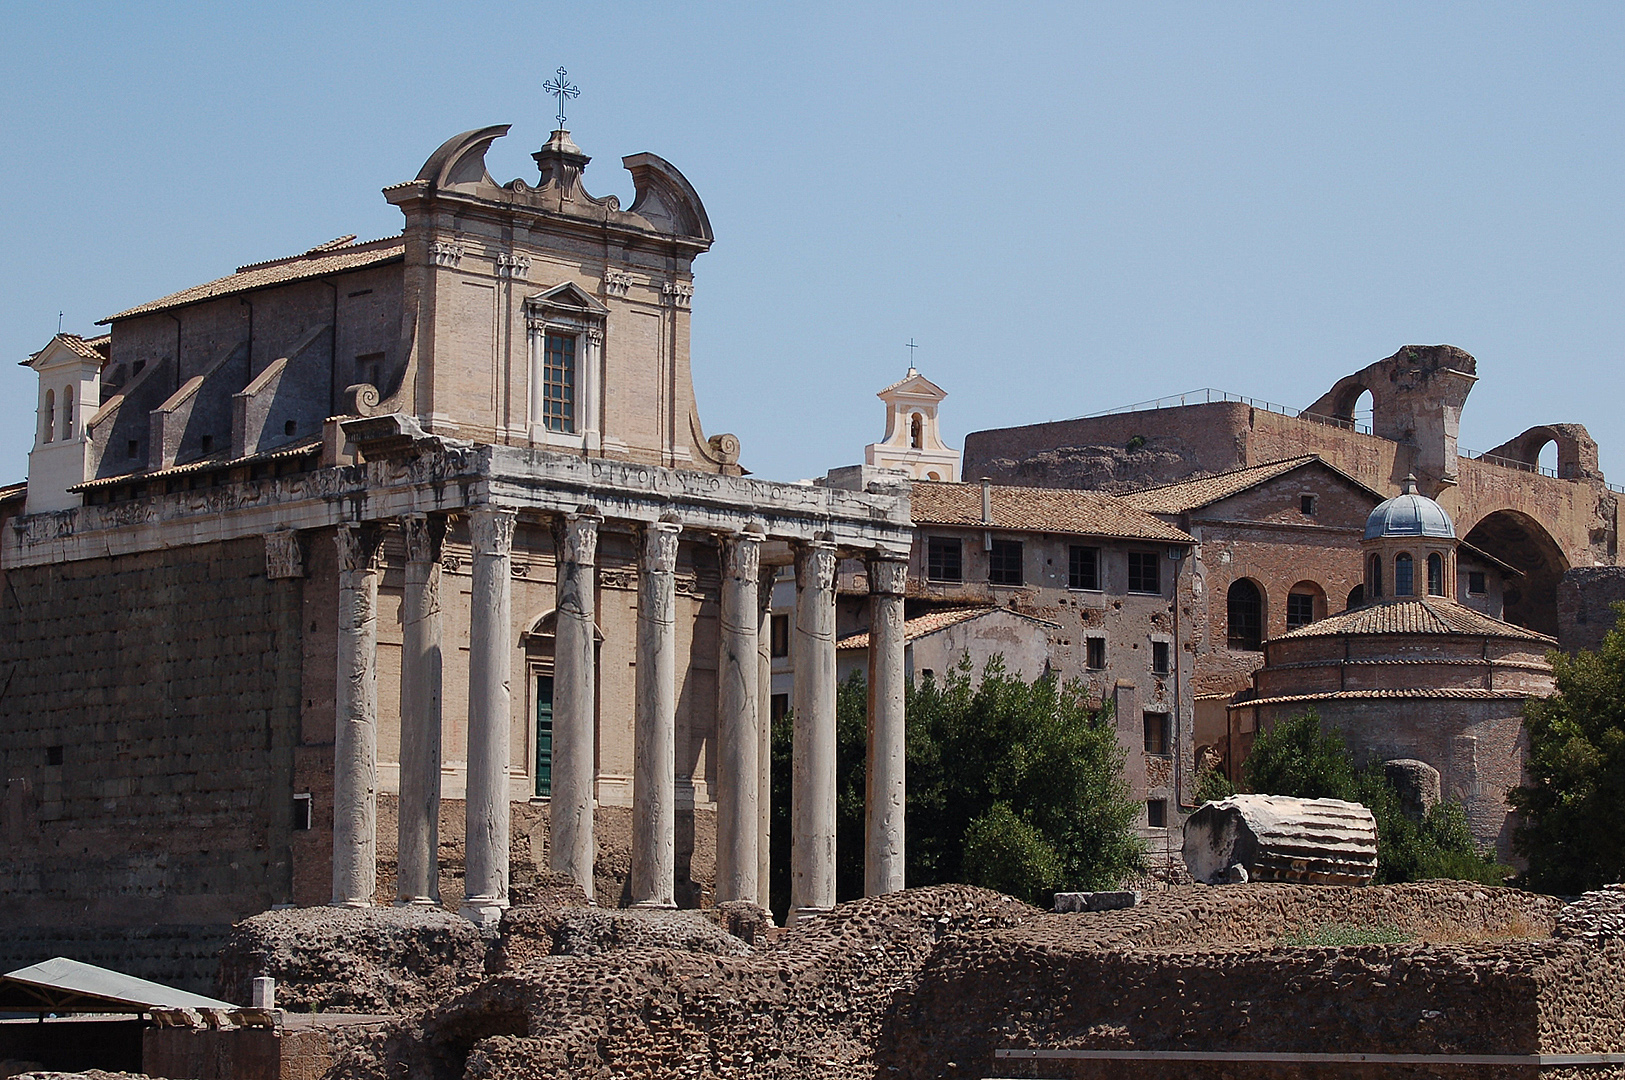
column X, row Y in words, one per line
column 1521, row 541
column 1340, row 401
column 1576, row 450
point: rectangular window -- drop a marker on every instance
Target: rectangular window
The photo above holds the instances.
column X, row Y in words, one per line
column 1475, row 582
column 1096, row 649
column 1306, row 503
column 1156, row 813
column 1300, row 609
column 778, row 707
column 544, row 736
column 559, row 383
column 302, row 812
column 1083, row 567
column 780, row 643
column 1144, row 572
column 942, row 559
column 1156, row 733
column 1159, row 658
column 1004, row 563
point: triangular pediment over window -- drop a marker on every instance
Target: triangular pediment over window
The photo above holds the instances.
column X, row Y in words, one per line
column 569, row 295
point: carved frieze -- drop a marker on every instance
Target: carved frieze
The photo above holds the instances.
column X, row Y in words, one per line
column 284, row 558
column 620, row 577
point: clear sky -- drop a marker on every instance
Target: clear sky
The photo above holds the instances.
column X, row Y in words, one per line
column 1068, row 207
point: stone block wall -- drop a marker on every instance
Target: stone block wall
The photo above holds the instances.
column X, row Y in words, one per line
column 1585, row 599
column 148, row 717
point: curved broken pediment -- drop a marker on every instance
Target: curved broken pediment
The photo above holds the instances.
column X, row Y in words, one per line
column 665, row 198
column 461, row 158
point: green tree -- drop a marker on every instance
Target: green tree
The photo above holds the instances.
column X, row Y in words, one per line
column 1570, row 832
column 1298, row 758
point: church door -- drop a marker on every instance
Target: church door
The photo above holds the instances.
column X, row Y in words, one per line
column 544, row 735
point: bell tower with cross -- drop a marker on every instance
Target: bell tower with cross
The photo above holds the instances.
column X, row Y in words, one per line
column 913, row 442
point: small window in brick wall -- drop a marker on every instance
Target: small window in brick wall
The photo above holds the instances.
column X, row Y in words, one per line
column 1306, row 503
column 942, row 559
column 1144, row 572
column 1159, row 657
column 1004, row 563
column 1096, row 649
column 53, row 755
column 1300, row 610
column 302, row 814
column 1156, row 813
column 1475, row 582
column 1083, row 567
column 1156, row 733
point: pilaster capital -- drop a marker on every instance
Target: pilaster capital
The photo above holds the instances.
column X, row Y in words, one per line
column 888, row 574
column 423, row 534
column 284, row 558
column 660, row 547
column 490, row 530
column 360, row 547
column 815, row 567
column 742, row 556
column 577, row 537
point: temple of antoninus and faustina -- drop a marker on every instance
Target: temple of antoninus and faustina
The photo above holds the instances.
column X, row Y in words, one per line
column 413, row 546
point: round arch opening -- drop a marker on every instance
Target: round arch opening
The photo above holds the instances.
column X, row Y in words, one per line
column 1521, row 541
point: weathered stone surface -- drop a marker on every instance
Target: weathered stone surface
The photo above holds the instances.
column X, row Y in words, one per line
column 1096, row 901
column 1417, row 783
column 369, row 960
column 1275, row 838
column 1594, row 916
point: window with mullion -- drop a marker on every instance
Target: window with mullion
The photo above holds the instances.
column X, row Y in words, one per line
column 943, row 559
column 1083, row 567
column 1004, row 563
column 559, row 383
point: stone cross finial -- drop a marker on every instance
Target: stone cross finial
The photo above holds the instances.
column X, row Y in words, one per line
column 561, row 88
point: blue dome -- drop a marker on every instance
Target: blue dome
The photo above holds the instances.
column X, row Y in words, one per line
column 1409, row 514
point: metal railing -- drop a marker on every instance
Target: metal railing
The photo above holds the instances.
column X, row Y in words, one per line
column 1506, row 462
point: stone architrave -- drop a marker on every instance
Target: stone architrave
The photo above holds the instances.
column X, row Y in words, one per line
column 571, row 846
column 764, row 730
column 355, row 720
column 737, row 719
column 884, row 802
column 654, row 762
column 490, row 626
column 418, row 878
column 812, row 771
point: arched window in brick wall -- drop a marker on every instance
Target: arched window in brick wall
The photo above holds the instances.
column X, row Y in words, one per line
column 1245, row 609
column 49, row 417
column 1435, row 574
column 1373, row 577
column 916, row 432
column 67, row 412
column 1404, row 574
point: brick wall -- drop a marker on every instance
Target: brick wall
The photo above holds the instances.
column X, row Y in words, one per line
column 148, row 716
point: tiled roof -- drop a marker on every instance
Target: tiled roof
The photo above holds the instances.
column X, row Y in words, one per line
column 90, row 348
column 933, row 621
column 13, row 491
column 218, row 460
column 317, row 262
column 1343, row 695
column 1415, row 615
column 1039, row 510
column 1204, row 491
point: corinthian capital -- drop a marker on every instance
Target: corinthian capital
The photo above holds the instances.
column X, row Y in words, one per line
column 660, row 547
column 423, row 534
column 815, row 567
column 359, row 547
column 577, row 538
column 490, row 530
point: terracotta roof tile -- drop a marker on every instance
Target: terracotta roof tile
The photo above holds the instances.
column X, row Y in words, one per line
column 1342, row 695
column 1186, row 495
column 13, row 491
column 316, row 262
column 220, row 459
column 1039, row 510
column 1416, row 615
column 933, row 621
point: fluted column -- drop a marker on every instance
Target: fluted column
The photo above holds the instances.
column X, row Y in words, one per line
column 355, row 719
column 737, row 719
column 812, row 776
column 654, row 760
column 489, row 712
column 764, row 732
column 571, row 846
column 884, row 800
column 418, row 877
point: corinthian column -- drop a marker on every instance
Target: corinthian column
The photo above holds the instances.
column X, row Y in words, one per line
column 489, row 713
column 884, row 800
column 812, row 760
column 355, row 720
column 764, row 732
column 569, row 822
column 654, row 761
column 418, row 879
column 737, row 720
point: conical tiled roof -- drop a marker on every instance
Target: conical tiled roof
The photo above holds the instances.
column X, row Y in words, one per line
column 1414, row 615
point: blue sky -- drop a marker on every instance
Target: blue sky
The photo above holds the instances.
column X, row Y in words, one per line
column 1068, row 207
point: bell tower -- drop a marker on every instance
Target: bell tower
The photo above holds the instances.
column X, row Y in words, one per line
column 913, row 443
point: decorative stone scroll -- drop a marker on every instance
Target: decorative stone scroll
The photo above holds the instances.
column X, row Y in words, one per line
column 284, row 557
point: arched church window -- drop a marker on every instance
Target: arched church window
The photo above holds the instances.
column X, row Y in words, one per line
column 916, row 432
column 1245, row 610
column 67, row 412
column 1374, row 577
column 1404, row 574
column 1435, row 574
column 1356, row 597
column 50, row 417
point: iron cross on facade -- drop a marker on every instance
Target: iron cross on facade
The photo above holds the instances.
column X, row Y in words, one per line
column 561, row 88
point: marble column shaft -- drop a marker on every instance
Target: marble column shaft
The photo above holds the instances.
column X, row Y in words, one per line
column 490, row 628
column 418, row 877
column 885, row 772
column 737, row 735
column 764, row 732
column 654, row 762
column 812, row 775
column 355, row 719
column 571, row 845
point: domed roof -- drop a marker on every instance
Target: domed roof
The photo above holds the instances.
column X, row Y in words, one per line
column 1409, row 514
